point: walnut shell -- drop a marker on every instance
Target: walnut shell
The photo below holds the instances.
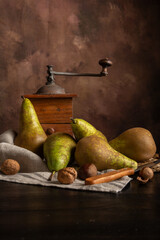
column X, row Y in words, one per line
column 10, row 167
column 145, row 174
column 67, row 175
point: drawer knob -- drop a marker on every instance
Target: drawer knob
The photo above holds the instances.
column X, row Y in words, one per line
column 50, row 131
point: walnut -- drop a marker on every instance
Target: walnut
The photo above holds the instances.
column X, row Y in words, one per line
column 67, row 175
column 10, row 167
column 145, row 174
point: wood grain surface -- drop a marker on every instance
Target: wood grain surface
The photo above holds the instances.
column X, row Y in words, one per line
column 35, row 212
column 59, row 127
column 53, row 110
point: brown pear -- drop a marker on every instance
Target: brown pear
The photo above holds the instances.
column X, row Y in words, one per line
column 136, row 143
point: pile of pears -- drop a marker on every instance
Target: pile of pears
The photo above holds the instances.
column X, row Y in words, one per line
column 93, row 147
column 87, row 145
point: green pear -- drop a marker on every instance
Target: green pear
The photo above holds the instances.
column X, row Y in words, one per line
column 136, row 143
column 59, row 150
column 82, row 128
column 31, row 134
column 93, row 149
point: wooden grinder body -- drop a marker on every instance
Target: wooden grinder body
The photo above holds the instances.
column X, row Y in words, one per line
column 54, row 111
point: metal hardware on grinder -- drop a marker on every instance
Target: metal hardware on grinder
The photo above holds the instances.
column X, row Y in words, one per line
column 116, row 174
column 105, row 63
column 52, row 88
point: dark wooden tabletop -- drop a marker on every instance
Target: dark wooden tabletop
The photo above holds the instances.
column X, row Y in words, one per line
column 36, row 212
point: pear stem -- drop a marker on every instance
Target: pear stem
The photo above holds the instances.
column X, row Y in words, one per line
column 51, row 176
column 73, row 120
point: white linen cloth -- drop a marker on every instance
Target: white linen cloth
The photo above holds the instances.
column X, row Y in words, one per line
column 41, row 178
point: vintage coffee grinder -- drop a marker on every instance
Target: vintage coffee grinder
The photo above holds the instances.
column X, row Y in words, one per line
column 53, row 105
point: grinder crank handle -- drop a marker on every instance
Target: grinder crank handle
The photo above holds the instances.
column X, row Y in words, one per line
column 104, row 63
column 109, row 176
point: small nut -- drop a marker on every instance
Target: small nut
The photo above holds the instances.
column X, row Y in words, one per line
column 145, row 174
column 10, row 167
column 67, row 175
column 87, row 170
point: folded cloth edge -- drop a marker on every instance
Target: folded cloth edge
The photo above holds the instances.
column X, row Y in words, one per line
column 41, row 178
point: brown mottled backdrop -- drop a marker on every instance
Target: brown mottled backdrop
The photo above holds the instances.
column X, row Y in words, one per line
column 73, row 35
